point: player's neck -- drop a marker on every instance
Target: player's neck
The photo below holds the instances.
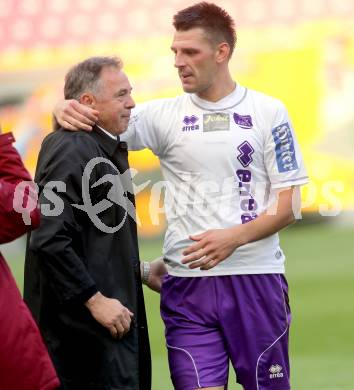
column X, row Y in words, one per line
column 220, row 88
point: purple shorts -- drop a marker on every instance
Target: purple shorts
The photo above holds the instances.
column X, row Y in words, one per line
column 209, row 320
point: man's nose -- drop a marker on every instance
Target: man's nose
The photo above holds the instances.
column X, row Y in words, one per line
column 179, row 61
column 130, row 103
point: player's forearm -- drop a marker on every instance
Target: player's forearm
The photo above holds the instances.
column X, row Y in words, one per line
column 263, row 226
column 277, row 217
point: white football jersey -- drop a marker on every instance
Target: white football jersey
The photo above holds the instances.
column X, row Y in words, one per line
column 220, row 161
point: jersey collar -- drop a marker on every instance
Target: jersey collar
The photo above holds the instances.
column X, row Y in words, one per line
column 226, row 103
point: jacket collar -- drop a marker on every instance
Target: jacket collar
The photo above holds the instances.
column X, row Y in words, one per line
column 108, row 144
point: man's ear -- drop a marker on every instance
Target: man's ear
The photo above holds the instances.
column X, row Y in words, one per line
column 87, row 99
column 223, row 52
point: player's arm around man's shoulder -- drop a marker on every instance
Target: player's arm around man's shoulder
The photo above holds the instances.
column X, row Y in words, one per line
column 75, row 116
column 144, row 130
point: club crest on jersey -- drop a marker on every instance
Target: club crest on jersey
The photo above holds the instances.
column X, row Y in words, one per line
column 217, row 121
column 190, row 123
column 284, row 148
column 244, row 121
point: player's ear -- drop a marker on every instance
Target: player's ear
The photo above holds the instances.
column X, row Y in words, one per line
column 223, row 52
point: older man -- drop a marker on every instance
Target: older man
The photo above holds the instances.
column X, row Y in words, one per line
column 82, row 276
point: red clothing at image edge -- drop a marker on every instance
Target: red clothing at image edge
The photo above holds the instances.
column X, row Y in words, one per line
column 24, row 360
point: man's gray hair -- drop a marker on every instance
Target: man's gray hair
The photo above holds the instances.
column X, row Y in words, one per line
column 85, row 76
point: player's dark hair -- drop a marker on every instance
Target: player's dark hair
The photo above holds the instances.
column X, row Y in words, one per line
column 215, row 21
column 85, row 76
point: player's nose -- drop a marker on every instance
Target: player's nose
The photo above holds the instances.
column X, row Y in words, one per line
column 179, row 61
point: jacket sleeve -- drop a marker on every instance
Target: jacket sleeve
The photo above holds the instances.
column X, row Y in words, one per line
column 13, row 172
column 58, row 242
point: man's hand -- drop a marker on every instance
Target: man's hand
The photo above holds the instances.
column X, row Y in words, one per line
column 111, row 314
column 73, row 115
column 157, row 271
column 212, row 247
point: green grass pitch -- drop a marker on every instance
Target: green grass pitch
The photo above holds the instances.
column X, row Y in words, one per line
column 320, row 271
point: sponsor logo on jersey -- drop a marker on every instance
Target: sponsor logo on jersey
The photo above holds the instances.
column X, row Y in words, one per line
column 245, row 157
column 275, row 371
column 248, row 204
column 217, row 121
column 244, row 121
column 190, row 123
column 284, row 148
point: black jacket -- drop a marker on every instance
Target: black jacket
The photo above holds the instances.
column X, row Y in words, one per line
column 72, row 255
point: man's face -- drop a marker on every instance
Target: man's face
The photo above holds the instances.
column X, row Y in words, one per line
column 114, row 101
column 194, row 59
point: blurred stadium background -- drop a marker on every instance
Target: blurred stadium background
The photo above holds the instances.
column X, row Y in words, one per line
column 300, row 51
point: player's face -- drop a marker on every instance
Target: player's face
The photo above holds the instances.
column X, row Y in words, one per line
column 195, row 59
column 114, row 100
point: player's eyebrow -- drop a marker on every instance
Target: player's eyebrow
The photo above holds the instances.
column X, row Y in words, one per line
column 186, row 49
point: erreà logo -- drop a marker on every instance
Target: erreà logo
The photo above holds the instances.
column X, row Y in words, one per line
column 190, row 123
column 275, row 371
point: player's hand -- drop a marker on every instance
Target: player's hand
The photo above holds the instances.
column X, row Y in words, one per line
column 157, row 271
column 111, row 314
column 211, row 247
column 74, row 116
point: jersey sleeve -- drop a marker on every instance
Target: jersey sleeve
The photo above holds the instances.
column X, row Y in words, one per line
column 282, row 155
column 144, row 130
